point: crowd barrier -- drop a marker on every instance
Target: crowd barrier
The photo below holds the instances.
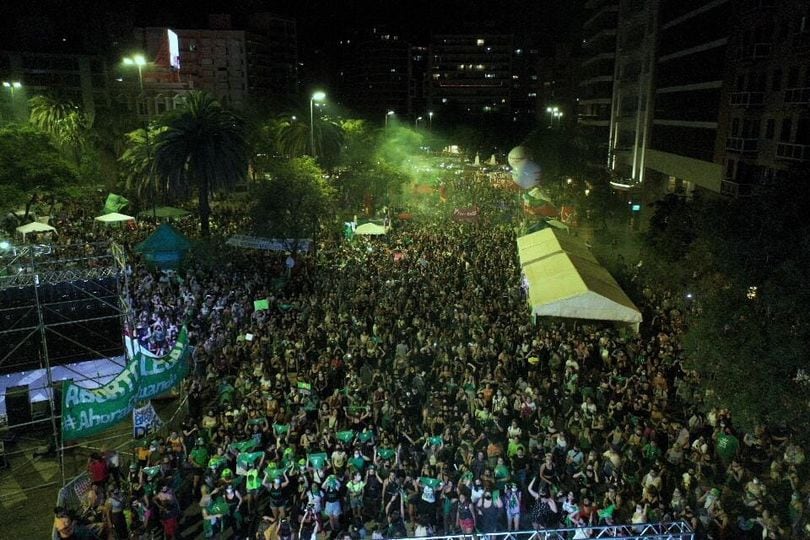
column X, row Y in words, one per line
column 676, row 530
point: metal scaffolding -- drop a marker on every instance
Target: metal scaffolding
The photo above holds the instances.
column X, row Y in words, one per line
column 676, row 530
column 65, row 294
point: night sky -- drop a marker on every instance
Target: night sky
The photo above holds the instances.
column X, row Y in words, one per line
column 82, row 23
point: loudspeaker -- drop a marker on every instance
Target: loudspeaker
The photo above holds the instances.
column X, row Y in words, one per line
column 18, row 405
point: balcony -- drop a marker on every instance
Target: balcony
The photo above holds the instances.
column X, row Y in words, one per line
column 746, row 99
column 793, row 152
column 731, row 188
column 741, row 145
column 797, row 96
column 755, row 51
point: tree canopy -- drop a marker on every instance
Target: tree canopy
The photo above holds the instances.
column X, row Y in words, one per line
column 744, row 263
column 294, row 201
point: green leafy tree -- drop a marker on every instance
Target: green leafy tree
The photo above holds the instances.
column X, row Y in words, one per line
column 745, row 263
column 138, row 161
column 203, row 149
column 31, row 167
column 292, row 137
column 64, row 121
column 294, row 201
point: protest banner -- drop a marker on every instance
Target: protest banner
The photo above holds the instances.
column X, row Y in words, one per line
column 145, row 420
column 88, row 411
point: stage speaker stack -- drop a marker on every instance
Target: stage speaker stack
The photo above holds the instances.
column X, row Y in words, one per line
column 18, row 405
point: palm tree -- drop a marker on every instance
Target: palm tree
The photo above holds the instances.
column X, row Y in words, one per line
column 62, row 120
column 292, row 137
column 138, row 163
column 203, row 148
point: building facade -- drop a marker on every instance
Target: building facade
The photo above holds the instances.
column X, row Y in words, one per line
column 80, row 78
column 765, row 121
column 596, row 73
column 633, row 89
column 471, row 74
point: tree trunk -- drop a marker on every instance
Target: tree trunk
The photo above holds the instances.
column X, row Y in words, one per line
column 205, row 209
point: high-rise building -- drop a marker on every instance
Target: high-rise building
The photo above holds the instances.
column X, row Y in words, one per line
column 596, row 72
column 272, row 56
column 471, row 74
column 690, row 68
column 633, row 89
column 80, row 78
column 376, row 73
column 764, row 120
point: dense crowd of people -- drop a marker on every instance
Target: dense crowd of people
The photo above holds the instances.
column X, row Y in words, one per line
column 398, row 387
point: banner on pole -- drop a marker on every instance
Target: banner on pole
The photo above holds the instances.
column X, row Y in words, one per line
column 145, row 420
column 89, row 411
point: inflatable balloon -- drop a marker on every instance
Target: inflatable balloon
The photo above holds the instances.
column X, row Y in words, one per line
column 518, row 156
column 528, row 175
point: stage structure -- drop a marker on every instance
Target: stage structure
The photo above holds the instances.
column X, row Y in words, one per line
column 59, row 305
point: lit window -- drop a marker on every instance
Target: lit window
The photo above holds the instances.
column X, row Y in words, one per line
column 532, row 94
column 461, row 66
column 444, row 100
column 479, row 66
column 489, row 49
column 487, row 108
column 436, row 75
column 479, row 42
column 393, row 70
column 515, row 77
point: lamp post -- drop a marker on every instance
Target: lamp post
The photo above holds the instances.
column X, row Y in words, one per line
column 12, row 86
column 558, row 115
column 430, row 120
column 389, row 113
column 317, row 96
column 552, row 112
column 416, row 122
column 137, row 60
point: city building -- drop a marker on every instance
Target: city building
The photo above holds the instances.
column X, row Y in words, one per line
column 558, row 86
column 527, row 83
column 685, row 146
column 471, row 74
column 765, row 120
column 376, row 73
column 596, row 71
column 80, row 78
column 633, row 96
column 272, row 56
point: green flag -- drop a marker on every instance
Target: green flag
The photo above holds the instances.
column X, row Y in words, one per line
column 216, row 461
column 261, row 304
column 304, row 385
column 317, row 460
column 243, row 446
column 366, row 435
column 430, row 482
column 386, row 453
column 151, row 471
column 281, row 429
column 114, row 203
column 246, row 459
column 256, row 421
column 273, row 473
column 436, row 440
column 345, row 436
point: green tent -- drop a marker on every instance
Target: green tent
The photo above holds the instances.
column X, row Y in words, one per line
column 164, row 212
column 165, row 247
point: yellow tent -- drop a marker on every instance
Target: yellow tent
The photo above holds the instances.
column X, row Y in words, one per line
column 565, row 280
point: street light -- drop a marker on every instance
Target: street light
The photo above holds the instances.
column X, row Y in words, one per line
column 552, row 112
column 416, row 122
column 139, row 61
column 430, row 120
column 317, row 96
column 558, row 115
column 12, row 85
column 389, row 113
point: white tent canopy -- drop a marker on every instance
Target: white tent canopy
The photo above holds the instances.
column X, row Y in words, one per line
column 34, row 227
column 114, row 217
column 566, row 280
column 370, row 229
